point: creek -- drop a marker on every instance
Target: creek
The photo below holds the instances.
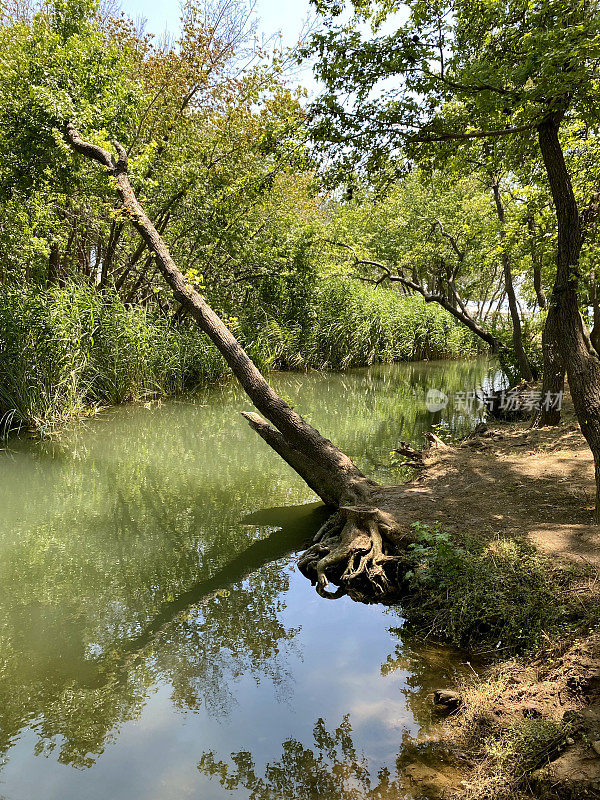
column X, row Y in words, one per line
column 157, row 641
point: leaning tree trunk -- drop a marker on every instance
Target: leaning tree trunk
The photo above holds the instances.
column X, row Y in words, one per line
column 352, row 546
column 579, row 356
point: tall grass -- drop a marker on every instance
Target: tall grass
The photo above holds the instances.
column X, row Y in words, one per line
column 358, row 325
column 65, row 349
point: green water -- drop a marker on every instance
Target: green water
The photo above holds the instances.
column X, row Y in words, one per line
column 156, row 639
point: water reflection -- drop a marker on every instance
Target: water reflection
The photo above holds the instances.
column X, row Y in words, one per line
column 77, row 665
column 138, row 573
column 333, row 767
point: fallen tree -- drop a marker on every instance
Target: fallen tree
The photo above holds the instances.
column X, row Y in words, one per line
column 358, row 546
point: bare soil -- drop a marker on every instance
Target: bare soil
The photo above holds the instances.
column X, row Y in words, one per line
column 513, row 481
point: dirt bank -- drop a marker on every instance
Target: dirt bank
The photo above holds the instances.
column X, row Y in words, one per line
column 529, row 726
column 511, row 481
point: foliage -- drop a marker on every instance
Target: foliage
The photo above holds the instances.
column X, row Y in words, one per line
column 498, row 593
column 449, row 69
column 64, row 349
column 333, row 769
column 524, row 746
column 465, row 87
column 438, row 234
column 218, row 157
column 512, row 752
column 358, row 325
column 427, row 226
column 216, row 153
column 532, row 327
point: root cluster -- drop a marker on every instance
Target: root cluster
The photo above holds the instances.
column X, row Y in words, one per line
column 352, row 549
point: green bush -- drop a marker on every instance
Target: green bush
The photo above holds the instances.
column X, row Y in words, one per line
column 46, row 340
column 532, row 327
column 499, row 593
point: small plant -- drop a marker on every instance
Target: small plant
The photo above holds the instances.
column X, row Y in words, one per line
column 525, row 745
column 511, row 755
column 498, row 593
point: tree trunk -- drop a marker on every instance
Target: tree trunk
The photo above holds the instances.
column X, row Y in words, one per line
column 595, row 334
column 109, row 253
column 553, row 385
column 522, row 361
column 357, row 535
column 462, row 316
column 325, row 468
column 581, row 360
column 537, row 267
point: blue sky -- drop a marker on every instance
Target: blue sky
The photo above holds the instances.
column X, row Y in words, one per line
column 276, row 16
column 286, row 16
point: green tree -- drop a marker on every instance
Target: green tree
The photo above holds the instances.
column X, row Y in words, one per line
column 470, row 70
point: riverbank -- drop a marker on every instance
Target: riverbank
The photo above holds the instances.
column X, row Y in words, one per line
column 529, row 725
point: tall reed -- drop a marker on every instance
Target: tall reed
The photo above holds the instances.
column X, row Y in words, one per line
column 63, row 350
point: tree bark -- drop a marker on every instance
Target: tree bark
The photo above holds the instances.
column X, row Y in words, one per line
column 109, row 253
column 522, row 360
column 553, row 384
column 581, row 360
column 537, row 267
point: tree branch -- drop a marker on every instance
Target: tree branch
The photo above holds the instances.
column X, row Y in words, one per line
column 454, row 136
column 459, row 313
column 460, row 253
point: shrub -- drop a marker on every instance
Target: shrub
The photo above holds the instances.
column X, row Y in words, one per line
column 499, row 593
column 358, row 324
column 532, row 327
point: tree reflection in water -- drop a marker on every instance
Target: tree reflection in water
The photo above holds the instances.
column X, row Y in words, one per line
column 333, row 769
column 75, row 667
column 123, row 566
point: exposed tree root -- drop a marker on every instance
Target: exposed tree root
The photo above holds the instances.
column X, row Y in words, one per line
column 353, row 550
column 360, row 546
